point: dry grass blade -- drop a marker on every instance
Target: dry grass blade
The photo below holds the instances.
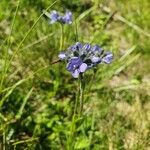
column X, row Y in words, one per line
column 122, row 19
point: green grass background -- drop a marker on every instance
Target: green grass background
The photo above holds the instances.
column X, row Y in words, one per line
column 37, row 98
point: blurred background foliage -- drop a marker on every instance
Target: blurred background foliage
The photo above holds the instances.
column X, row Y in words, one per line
column 37, row 98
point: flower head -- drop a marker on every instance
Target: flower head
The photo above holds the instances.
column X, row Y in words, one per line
column 57, row 17
column 81, row 57
column 108, row 58
column 76, row 66
column 54, row 16
column 67, row 18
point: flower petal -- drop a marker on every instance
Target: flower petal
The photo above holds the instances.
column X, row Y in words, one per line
column 95, row 59
column 62, row 56
column 73, row 64
column 75, row 74
column 87, row 47
column 83, row 67
column 78, row 45
column 108, row 58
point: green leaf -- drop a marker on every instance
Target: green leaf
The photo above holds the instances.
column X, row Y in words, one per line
column 82, row 143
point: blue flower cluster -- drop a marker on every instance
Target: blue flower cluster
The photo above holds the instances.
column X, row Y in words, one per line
column 81, row 57
column 64, row 19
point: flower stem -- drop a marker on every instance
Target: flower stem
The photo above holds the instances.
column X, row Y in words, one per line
column 76, row 104
column 62, row 37
column 60, row 49
column 77, row 112
column 81, row 94
column 76, row 30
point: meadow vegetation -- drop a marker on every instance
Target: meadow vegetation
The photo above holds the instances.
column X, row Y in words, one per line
column 37, row 97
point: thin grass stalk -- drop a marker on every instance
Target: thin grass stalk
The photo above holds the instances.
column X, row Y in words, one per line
column 71, row 139
column 20, row 44
column 9, row 45
column 20, row 111
column 92, row 129
column 92, row 80
column 27, row 34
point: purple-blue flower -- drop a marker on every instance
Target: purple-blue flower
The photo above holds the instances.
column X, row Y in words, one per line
column 76, row 47
column 57, row 17
column 95, row 59
column 54, row 16
column 96, row 49
column 81, row 57
column 108, row 58
column 67, row 18
column 76, row 66
column 87, row 47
